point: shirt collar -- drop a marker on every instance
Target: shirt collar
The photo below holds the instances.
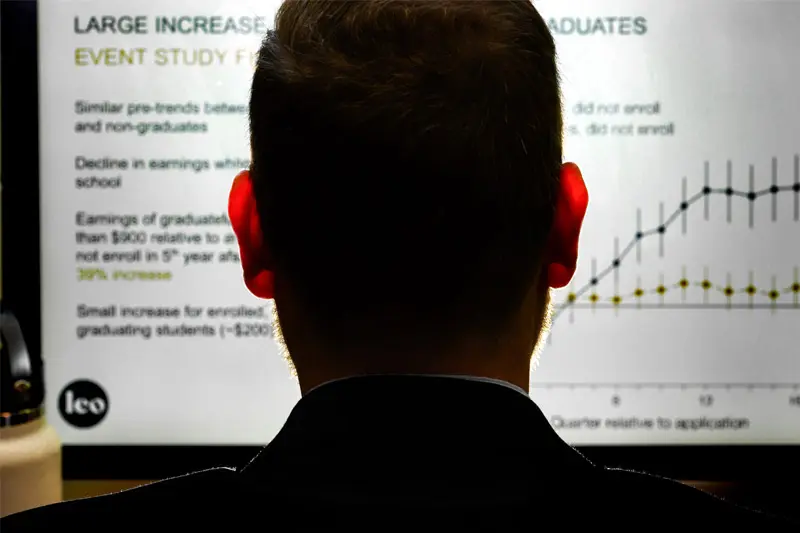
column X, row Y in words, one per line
column 482, row 379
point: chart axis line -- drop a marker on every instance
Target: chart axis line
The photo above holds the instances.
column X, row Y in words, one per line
column 667, row 385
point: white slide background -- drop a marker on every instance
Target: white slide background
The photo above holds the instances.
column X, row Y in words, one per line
column 691, row 365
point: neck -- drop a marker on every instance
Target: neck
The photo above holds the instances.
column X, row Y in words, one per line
column 512, row 366
column 504, row 356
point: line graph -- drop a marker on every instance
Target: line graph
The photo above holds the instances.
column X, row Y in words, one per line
column 575, row 299
column 680, row 326
column 684, row 285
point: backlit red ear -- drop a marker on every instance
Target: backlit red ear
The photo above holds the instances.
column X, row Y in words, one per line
column 258, row 277
column 573, row 199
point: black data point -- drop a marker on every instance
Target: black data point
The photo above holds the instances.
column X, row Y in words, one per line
column 751, row 196
column 774, row 189
column 662, row 229
column 796, row 187
column 594, row 281
column 706, row 190
column 615, row 263
column 729, row 191
column 639, row 235
column 684, row 206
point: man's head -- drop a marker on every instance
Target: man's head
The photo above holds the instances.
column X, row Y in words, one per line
column 410, row 206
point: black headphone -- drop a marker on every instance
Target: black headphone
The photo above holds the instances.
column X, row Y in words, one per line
column 21, row 380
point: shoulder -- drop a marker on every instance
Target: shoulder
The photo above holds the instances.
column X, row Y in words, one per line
column 676, row 504
column 185, row 499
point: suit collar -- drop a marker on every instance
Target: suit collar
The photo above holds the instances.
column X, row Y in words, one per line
column 407, row 425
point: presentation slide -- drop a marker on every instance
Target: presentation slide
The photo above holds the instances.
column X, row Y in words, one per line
column 681, row 325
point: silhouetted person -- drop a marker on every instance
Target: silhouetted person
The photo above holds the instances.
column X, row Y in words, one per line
column 408, row 209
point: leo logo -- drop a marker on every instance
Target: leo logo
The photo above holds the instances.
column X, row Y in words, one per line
column 83, row 404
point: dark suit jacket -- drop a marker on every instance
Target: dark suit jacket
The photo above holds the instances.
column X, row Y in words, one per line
column 402, row 452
